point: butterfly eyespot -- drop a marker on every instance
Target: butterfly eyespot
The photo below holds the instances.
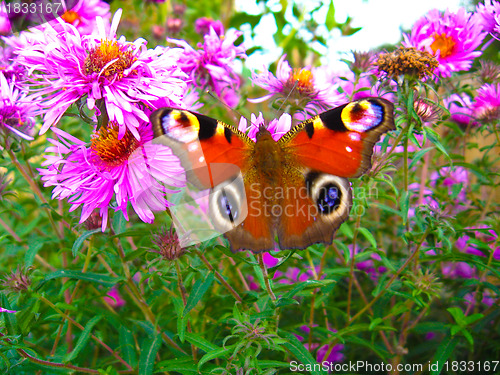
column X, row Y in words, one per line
column 362, row 115
column 328, row 192
column 228, row 205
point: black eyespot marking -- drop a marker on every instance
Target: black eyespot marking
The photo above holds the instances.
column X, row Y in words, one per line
column 329, row 198
column 228, row 206
column 309, row 129
column 228, row 133
column 309, row 179
column 327, row 194
column 332, row 119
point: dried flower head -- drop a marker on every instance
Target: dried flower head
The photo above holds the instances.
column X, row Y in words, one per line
column 489, row 72
column 18, row 281
column 363, row 61
column 168, row 243
column 427, row 110
column 406, row 61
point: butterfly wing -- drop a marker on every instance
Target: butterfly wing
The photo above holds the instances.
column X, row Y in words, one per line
column 213, row 153
column 340, row 141
column 327, row 149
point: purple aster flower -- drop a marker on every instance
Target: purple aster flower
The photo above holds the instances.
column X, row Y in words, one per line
column 212, row 66
column 460, row 107
column 9, row 66
column 299, row 87
column 17, row 112
column 5, row 26
column 125, row 170
column 125, row 77
column 486, row 105
column 84, row 13
column 489, row 16
column 452, row 37
column 450, row 177
column 202, row 26
column 114, row 298
column 277, row 128
column 368, row 266
column 335, row 355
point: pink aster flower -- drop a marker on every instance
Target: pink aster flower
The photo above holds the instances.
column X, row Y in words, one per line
column 369, row 266
column 202, row 26
column 125, row 77
column 489, row 16
column 460, row 107
column 84, row 13
column 213, row 65
column 5, row 26
column 114, row 298
column 299, row 87
column 451, row 37
column 113, row 171
column 451, row 177
column 486, row 105
column 17, row 112
column 277, row 128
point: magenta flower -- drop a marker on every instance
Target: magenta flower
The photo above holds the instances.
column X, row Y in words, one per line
column 460, row 107
column 452, row 37
column 125, row 77
column 84, row 13
column 277, row 127
column 213, row 65
column 7, row 311
column 335, row 355
column 450, row 177
column 486, row 105
column 17, row 112
column 5, row 26
column 114, row 298
column 113, row 171
column 299, row 87
column 202, row 26
column 369, row 266
column 489, row 16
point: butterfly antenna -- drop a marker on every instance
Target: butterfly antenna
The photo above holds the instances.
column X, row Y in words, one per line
column 289, row 94
column 226, row 105
column 231, row 109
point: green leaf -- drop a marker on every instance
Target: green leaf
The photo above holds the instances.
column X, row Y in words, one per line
column 217, row 353
column 127, row 345
column 34, row 247
column 149, row 349
column 294, row 346
column 198, row 292
column 119, row 222
column 200, row 342
column 418, row 155
column 442, row 354
column 181, row 365
column 283, row 301
column 435, row 139
column 83, row 339
column 9, row 318
column 458, row 315
column 87, row 276
column 330, row 22
column 366, row 233
column 80, row 240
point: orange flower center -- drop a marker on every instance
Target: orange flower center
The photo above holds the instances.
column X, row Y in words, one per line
column 444, row 43
column 70, row 16
column 101, row 56
column 304, row 79
column 109, row 148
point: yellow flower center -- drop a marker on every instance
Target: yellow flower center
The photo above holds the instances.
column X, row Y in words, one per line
column 70, row 16
column 444, row 43
column 303, row 78
column 108, row 51
column 109, row 148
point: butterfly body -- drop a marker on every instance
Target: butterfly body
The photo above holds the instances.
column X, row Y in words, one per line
column 296, row 189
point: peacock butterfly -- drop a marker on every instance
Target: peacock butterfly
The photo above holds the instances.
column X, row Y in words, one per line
column 296, row 188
